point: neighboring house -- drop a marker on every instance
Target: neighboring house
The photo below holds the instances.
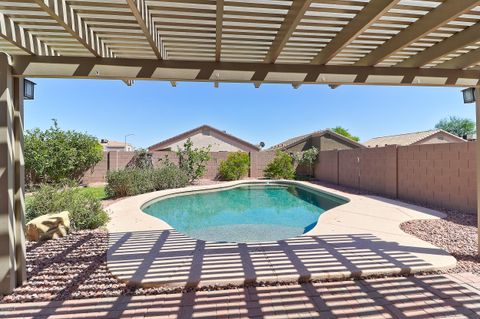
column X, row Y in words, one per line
column 116, row 146
column 436, row 136
column 325, row 140
column 204, row 136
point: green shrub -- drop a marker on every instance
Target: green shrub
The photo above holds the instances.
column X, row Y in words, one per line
column 129, row 182
column 85, row 210
column 235, row 166
column 169, row 176
column 281, row 167
column 54, row 155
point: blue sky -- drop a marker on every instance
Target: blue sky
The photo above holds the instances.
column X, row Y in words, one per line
column 154, row 110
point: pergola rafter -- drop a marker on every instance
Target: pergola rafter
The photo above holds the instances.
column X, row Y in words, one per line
column 21, row 38
column 463, row 61
column 144, row 19
column 445, row 12
column 218, row 29
column 459, row 40
column 65, row 16
column 369, row 14
column 290, row 23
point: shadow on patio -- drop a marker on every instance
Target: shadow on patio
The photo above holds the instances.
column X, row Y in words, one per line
column 168, row 258
column 400, row 297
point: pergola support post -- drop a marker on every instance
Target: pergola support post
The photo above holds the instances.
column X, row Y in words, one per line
column 12, row 207
column 477, row 160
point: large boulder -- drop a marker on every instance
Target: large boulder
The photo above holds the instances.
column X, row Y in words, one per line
column 48, row 226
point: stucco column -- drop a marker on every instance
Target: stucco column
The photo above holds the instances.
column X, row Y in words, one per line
column 477, row 147
column 19, row 188
column 7, row 171
column 12, row 246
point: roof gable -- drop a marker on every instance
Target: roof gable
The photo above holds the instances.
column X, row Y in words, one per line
column 299, row 139
column 165, row 143
column 407, row 138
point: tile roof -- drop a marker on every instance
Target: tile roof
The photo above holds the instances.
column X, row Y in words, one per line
column 404, row 139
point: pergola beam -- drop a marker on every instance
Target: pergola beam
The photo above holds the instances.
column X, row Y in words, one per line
column 219, row 30
column 133, row 69
column 146, row 23
column 65, row 16
column 21, row 38
column 368, row 15
column 289, row 24
column 457, row 41
column 445, row 12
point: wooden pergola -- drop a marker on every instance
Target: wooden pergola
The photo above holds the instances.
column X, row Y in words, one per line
column 334, row 42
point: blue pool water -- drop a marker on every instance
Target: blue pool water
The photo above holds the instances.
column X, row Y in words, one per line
column 245, row 213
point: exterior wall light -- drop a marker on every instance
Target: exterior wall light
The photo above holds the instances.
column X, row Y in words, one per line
column 28, row 89
column 469, row 95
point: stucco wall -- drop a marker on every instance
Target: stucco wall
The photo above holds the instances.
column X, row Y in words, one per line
column 439, row 175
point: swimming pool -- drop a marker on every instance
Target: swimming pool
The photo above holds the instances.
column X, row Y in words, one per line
column 245, row 213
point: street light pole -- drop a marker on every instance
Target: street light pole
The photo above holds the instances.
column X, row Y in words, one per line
column 125, row 147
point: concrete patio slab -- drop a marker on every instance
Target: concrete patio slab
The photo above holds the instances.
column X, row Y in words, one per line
column 359, row 238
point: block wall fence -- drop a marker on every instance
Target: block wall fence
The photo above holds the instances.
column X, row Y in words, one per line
column 438, row 175
column 116, row 160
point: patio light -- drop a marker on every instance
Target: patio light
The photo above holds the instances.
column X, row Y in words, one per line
column 28, row 89
column 469, row 95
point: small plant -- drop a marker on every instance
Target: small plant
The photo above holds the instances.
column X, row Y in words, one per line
column 193, row 160
column 235, row 166
column 85, row 210
column 281, row 167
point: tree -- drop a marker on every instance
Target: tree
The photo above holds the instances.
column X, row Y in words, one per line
column 235, row 166
column 343, row 131
column 55, row 155
column 457, row 126
column 280, row 167
column 193, row 160
column 142, row 160
column 307, row 157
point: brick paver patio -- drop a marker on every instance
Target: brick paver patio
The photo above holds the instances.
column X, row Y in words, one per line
column 428, row 296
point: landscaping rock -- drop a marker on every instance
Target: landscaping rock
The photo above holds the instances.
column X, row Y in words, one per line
column 48, row 226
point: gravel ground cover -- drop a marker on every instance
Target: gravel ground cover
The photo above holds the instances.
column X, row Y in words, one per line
column 457, row 234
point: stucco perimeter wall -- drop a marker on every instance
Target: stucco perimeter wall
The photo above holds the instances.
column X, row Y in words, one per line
column 440, row 175
column 116, row 160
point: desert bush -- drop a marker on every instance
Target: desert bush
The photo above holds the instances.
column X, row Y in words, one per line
column 85, row 210
column 235, row 166
column 281, row 167
column 169, row 176
column 193, row 161
column 129, row 182
column 54, row 155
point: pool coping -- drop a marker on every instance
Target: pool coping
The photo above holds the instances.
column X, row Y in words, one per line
column 364, row 214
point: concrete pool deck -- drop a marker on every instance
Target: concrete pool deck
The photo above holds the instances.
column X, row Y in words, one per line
column 360, row 238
